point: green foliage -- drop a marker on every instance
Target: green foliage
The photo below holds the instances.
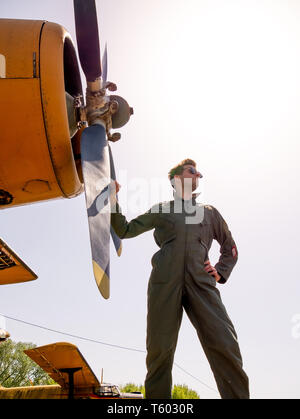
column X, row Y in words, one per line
column 183, row 392
column 17, row 369
column 178, row 392
column 129, row 387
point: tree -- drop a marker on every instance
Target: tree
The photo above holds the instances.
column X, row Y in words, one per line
column 183, row 392
column 17, row 369
column 130, row 387
column 179, row 391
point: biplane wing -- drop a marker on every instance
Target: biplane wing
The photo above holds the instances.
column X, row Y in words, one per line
column 65, row 365
column 12, row 269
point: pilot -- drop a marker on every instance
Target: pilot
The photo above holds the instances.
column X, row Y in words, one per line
column 182, row 277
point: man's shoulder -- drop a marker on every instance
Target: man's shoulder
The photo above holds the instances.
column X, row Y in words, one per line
column 160, row 207
column 210, row 212
column 213, row 213
column 209, row 207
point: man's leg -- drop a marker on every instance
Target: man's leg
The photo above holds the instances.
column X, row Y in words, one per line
column 206, row 311
column 163, row 323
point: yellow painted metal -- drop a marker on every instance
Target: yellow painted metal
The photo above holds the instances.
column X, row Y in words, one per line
column 33, row 392
column 60, row 355
column 52, row 358
column 19, row 41
column 102, row 280
column 36, row 157
column 26, row 169
column 17, row 271
column 53, row 38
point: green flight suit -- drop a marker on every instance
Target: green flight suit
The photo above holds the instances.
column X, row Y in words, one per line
column 178, row 280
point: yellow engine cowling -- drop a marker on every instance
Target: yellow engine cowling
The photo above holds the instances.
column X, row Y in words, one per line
column 38, row 65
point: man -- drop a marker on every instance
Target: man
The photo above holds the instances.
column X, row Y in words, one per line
column 182, row 277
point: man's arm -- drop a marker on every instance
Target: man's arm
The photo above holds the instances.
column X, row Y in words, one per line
column 228, row 249
column 125, row 229
column 133, row 228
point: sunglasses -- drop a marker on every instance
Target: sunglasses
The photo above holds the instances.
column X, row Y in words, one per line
column 192, row 170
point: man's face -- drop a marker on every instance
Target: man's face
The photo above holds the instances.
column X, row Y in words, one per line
column 190, row 177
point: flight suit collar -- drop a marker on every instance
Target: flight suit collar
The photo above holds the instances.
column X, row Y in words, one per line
column 179, row 197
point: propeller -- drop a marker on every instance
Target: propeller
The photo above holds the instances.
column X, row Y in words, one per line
column 104, row 65
column 96, row 175
column 96, row 156
column 88, row 38
column 117, row 241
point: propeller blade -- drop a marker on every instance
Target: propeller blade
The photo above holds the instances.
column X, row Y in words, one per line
column 87, row 35
column 96, row 174
column 104, row 65
column 116, row 239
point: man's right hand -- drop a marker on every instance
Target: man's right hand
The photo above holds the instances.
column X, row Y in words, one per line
column 118, row 186
column 114, row 189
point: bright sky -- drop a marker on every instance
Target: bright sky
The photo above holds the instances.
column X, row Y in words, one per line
column 217, row 81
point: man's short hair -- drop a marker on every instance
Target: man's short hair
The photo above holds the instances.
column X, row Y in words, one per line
column 178, row 169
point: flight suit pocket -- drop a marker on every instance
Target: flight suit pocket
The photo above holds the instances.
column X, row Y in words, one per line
column 203, row 250
column 156, row 257
column 164, row 230
column 204, row 256
column 161, row 262
column 168, row 240
column 205, row 232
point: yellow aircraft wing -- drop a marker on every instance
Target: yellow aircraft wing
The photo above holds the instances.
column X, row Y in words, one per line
column 12, row 268
column 55, row 359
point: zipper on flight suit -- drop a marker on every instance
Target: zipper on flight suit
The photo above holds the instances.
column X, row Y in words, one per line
column 206, row 248
column 204, row 245
column 185, row 247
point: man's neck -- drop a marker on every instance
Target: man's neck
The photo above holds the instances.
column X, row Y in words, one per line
column 184, row 195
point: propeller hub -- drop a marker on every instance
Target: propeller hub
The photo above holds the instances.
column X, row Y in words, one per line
column 97, row 103
column 113, row 111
